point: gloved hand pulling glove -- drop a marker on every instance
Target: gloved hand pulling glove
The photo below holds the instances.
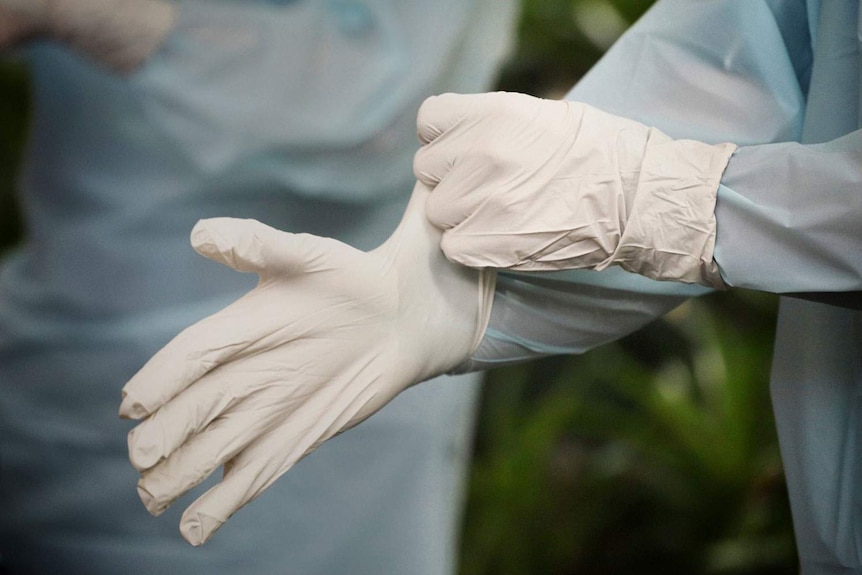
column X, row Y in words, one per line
column 119, row 34
column 531, row 184
column 328, row 337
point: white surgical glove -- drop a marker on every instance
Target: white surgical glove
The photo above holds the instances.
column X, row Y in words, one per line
column 328, row 337
column 118, row 34
column 532, row 184
column 21, row 20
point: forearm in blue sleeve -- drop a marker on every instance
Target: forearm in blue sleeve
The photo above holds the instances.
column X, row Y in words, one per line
column 790, row 217
column 536, row 315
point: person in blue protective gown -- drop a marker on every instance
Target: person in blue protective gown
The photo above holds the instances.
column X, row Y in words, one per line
column 780, row 80
column 301, row 115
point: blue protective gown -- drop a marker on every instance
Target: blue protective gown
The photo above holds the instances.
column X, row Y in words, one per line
column 298, row 114
column 781, row 78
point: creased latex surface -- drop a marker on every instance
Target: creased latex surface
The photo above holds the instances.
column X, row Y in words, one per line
column 329, row 336
column 531, row 184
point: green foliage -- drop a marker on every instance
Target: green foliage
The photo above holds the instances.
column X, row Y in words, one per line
column 559, row 40
column 653, row 455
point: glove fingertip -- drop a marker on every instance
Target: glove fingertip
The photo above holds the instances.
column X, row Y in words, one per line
column 144, row 453
column 197, row 527
column 153, row 507
column 425, row 126
column 244, row 245
column 132, row 408
column 207, row 241
column 439, row 113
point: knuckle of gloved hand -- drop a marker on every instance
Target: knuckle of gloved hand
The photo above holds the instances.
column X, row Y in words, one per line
column 511, row 105
column 437, row 211
column 462, row 249
column 156, row 493
column 423, row 167
column 491, row 161
column 425, row 117
column 430, row 119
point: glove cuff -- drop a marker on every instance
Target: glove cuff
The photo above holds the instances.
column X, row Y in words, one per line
column 119, row 34
column 485, row 293
column 670, row 231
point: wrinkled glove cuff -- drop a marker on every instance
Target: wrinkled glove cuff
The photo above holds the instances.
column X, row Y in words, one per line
column 485, row 294
column 670, row 231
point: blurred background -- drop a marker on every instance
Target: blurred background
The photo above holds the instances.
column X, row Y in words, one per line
column 656, row 454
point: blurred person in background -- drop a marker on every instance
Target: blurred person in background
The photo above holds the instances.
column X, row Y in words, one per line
column 716, row 145
column 148, row 115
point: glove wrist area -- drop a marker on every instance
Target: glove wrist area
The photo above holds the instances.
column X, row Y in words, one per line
column 670, row 230
column 119, row 34
column 443, row 307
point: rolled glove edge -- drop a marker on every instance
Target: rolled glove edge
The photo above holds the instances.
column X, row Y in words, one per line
column 671, row 230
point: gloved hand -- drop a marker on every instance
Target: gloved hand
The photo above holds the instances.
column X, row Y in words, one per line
column 20, row 20
column 118, row 34
column 531, row 184
column 328, row 337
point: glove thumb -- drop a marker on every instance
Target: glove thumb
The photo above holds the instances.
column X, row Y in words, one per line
column 249, row 246
column 439, row 114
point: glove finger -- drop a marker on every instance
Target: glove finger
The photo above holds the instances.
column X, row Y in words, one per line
column 250, row 246
column 452, row 202
column 239, row 326
column 194, row 352
column 438, row 114
column 254, row 384
column 158, row 436
column 194, row 461
column 248, row 475
column 479, row 251
column 533, row 251
column 331, row 410
column 431, row 164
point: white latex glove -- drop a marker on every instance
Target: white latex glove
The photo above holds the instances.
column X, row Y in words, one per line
column 118, row 34
column 532, row 184
column 328, row 337
column 21, row 20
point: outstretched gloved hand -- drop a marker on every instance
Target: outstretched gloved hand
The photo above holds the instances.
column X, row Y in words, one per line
column 532, row 184
column 328, row 337
column 119, row 34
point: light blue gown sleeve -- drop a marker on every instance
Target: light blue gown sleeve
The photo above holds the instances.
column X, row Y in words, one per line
column 679, row 69
column 790, row 217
